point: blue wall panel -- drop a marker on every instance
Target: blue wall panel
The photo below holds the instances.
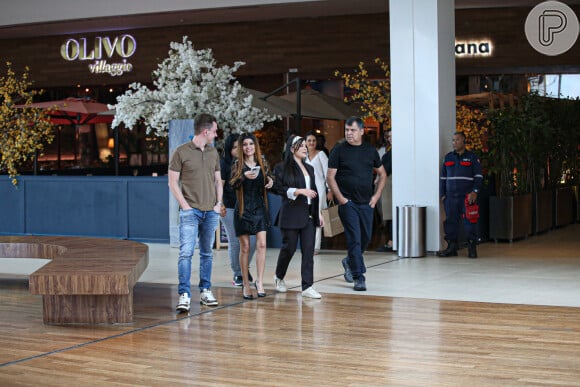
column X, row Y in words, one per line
column 115, row 207
column 148, row 196
column 88, row 206
column 11, row 207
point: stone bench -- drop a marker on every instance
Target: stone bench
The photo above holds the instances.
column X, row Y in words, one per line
column 87, row 281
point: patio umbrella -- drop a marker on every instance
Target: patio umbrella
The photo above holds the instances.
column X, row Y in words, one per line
column 281, row 106
column 273, row 104
column 71, row 111
column 323, row 106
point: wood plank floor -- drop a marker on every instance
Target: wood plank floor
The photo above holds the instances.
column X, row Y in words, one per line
column 284, row 340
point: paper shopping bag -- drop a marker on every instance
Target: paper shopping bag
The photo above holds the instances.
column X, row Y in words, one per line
column 332, row 224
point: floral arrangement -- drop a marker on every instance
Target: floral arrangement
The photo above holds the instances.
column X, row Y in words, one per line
column 474, row 123
column 186, row 83
column 372, row 95
column 23, row 131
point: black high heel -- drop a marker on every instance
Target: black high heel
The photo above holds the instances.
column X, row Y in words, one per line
column 247, row 297
column 259, row 294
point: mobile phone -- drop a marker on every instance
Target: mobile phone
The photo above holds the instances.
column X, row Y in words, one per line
column 255, row 169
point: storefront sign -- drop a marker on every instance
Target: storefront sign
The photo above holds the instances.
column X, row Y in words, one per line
column 473, row 48
column 110, row 56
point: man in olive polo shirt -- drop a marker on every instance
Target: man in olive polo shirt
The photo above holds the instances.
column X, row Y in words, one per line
column 196, row 164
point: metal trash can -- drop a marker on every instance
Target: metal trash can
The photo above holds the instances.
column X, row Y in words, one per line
column 411, row 231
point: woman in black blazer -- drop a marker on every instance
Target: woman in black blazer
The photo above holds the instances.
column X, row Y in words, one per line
column 299, row 214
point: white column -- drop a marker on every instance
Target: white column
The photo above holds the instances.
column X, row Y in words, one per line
column 180, row 132
column 422, row 34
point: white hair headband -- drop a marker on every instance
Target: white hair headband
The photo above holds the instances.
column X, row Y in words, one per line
column 295, row 140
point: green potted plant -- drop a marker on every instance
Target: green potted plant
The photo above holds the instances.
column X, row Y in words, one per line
column 23, row 132
column 514, row 167
column 542, row 145
column 563, row 161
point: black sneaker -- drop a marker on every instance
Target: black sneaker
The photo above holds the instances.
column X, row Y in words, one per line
column 360, row 285
column 347, row 272
column 237, row 281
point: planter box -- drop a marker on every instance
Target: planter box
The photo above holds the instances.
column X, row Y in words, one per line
column 483, row 221
column 563, row 206
column 542, row 214
column 510, row 217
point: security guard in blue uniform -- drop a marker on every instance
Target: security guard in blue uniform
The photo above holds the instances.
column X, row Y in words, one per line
column 460, row 176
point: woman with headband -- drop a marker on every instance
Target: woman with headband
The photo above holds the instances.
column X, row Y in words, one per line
column 299, row 215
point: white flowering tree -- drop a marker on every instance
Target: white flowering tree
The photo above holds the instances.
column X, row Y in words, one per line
column 186, row 83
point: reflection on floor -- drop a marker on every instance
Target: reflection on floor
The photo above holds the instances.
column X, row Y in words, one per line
column 408, row 337
column 540, row 270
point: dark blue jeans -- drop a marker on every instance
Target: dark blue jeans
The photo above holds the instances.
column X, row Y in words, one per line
column 357, row 220
column 454, row 210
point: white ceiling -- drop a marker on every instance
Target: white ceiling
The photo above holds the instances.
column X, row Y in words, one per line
column 30, row 18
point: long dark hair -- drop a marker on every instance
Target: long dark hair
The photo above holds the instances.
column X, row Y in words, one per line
column 291, row 169
column 238, row 168
column 228, row 145
column 311, row 133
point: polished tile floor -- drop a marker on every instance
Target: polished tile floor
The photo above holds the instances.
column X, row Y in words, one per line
column 540, row 270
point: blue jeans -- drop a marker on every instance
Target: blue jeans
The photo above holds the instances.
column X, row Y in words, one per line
column 194, row 224
column 357, row 220
column 234, row 243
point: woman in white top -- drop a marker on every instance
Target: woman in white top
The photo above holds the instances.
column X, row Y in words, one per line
column 319, row 162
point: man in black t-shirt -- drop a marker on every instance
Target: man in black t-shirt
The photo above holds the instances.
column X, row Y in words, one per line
column 350, row 177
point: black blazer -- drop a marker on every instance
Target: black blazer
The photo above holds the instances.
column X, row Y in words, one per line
column 294, row 214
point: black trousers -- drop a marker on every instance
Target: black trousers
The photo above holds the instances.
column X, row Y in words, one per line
column 289, row 242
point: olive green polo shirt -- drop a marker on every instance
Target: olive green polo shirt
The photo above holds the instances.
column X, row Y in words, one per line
column 197, row 174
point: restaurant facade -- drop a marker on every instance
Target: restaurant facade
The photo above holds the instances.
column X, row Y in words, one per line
column 492, row 54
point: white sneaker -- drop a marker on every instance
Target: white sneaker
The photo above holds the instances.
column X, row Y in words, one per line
column 280, row 285
column 183, row 303
column 311, row 293
column 207, row 298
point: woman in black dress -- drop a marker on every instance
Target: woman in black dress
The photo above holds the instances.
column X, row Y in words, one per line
column 251, row 178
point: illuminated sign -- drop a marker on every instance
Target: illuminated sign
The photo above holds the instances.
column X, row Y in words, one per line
column 473, row 48
column 103, row 51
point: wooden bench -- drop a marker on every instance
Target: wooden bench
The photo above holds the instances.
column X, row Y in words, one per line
column 88, row 281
